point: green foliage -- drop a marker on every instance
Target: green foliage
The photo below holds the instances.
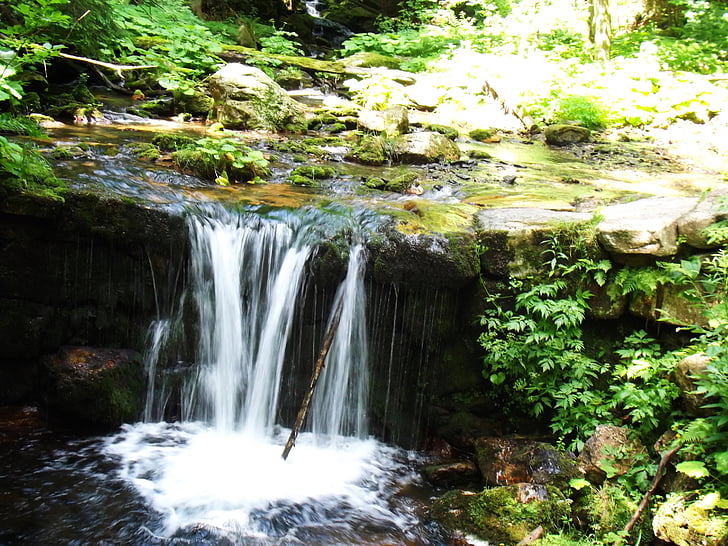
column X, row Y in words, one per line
column 23, row 170
column 19, row 126
column 224, row 160
column 535, row 353
column 278, row 41
column 583, row 110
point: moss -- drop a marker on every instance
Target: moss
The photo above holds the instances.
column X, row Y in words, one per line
column 371, row 150
column 315, row 171
column 481, row 134
column 62, row 152
column 497, row 515
column 300, row 180
column 479, row 154
column 169, row 142
column 449, row 132
column 402, row 182
column 375, row 182
column 144, row 150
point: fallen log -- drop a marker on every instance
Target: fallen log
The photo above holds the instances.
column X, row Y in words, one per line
column 325, row 346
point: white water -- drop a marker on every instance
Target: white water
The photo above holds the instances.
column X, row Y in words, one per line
column 221, row 468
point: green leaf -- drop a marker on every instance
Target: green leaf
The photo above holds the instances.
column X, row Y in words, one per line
column 579, row 483
column 693, row 469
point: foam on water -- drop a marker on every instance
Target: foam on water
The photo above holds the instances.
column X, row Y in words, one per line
column 193, row 475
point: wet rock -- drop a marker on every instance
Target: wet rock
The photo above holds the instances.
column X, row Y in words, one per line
column 452, row 474
column 563, row 135
column 646, row 227
column 687, row 520
column 94, row 387
column 371, row 150
column 504, row 461
column 503, row 515
column 424, row 147
column 512, row 237
column 708, row 211
column 609, row 452
column 688, row 369
column 198, row 103
column 246, row 98
column 392, row 121
column 669, row 305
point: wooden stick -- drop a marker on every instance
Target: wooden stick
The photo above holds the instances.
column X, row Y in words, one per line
column 117, row 67
column 325, row 346
column 533, row 536
column 653, row 486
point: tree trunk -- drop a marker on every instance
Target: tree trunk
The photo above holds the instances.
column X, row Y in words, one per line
column 600, row 28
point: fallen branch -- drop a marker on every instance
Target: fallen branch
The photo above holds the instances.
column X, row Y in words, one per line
column 653, row 486
column 117, row 67
column 325, row 346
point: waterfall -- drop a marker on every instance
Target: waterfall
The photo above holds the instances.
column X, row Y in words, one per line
column 339, row 405
column 246, row 280
column 219, row 471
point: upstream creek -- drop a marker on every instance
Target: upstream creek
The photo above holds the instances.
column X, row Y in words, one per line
column 215, row 475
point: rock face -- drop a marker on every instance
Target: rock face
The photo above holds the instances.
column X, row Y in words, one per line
column 647, row 227
column 609, row 448
column 687, row 370
column 504, row 461
column 392, row 121
column 425, row 147
column 246, row 98
column 512, row 237
column 94, row 387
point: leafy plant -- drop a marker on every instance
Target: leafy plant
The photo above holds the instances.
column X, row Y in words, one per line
column 581, row 109
column 224, row 160
column 22, row 169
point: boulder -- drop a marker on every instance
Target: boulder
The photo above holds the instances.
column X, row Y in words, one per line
column 452, row 474
column 424, row 147
column 708, row 211
column 100, row 388
column 643, row 227
column 371, row 150
column 512, row 238
column 503, row 515
column 392, row 121
column 668, row 304
column 504, row 461
column 608, row 453
column 246, row 98
column 563, row 135
column 686, row 520
column 687, row 370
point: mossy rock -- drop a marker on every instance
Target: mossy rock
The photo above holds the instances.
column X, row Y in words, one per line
column 208, row 168
column 402, row 182
column 94, row 387
column 67, row 152
column 198, row 103
column 169, row 142
column 157, row 107
column 606, row 510
column 315, row 171
column 503, row 515
column 371, row 150
column 688, row 520
column 449, row 132
column 300, row 180
column 482, row 134
column 144, row 150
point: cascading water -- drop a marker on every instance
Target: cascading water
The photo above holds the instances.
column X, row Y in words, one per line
column 219, row 472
